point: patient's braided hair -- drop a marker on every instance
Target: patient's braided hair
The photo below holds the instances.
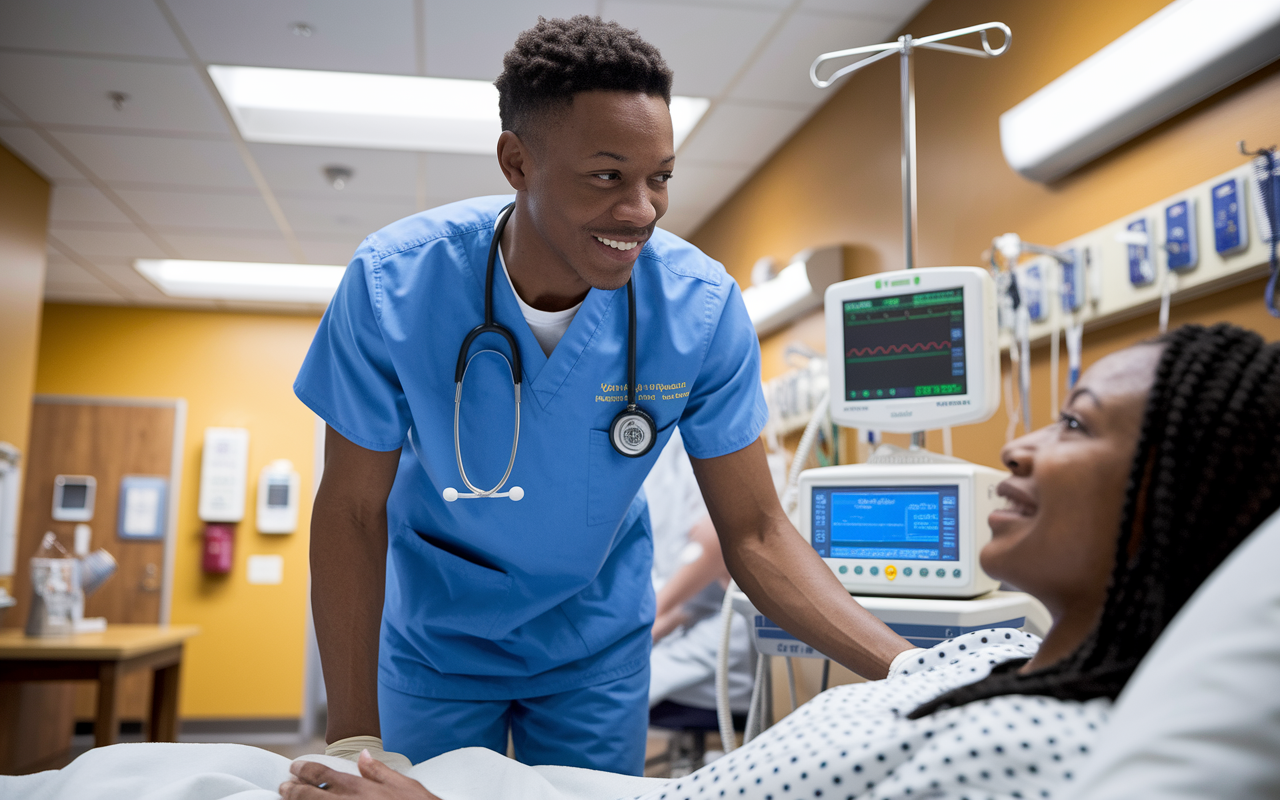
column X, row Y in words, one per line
column 557, row 58
column 1206, row 473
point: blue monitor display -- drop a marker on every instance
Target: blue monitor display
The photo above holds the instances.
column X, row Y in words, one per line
column 904, row 523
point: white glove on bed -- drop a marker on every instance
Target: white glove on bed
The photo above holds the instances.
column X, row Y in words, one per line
column 351, row 747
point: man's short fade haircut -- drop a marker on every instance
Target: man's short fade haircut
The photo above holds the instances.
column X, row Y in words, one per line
column 557, row 58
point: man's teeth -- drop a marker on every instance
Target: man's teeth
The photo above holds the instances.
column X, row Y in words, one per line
column 617, row 245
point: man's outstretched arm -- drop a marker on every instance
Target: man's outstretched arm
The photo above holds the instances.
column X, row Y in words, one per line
column 348, row 577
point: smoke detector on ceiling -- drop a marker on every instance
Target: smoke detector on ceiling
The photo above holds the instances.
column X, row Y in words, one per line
column 337, row 176
column 302, row 29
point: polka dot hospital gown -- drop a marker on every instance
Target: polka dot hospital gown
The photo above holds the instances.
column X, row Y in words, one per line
column 855, row 742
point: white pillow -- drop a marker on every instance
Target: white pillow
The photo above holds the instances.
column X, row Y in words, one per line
column 1201, row 715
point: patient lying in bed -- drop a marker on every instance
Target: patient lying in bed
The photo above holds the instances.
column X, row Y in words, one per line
column 1164, row 460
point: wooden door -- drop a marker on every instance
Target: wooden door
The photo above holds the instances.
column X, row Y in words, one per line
column 108, row 439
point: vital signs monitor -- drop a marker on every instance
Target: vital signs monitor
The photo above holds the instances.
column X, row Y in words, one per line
column 913, row 349
column 905, row 529
column 908, row 351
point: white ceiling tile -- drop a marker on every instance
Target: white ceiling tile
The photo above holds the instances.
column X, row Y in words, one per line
column 704, row 46
column 123, row 241
column 27, row 145
column 119, row 27
column 121, row 272
column 468, row 40
column 194, row 210
column 64, row 272
column 73, row 91
column 83, row 204
column 739, row 134
column 451, row 177
column 365, row 36
column 223, row 247
column 295, row 168
column 159, row 160
column 354, row 214
column 685, row 220
column 898, row 12
column 705, row 185
column 330, row 251
column 98, row 295
column 781, row 73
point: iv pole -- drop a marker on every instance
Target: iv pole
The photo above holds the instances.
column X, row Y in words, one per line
column 905, row 46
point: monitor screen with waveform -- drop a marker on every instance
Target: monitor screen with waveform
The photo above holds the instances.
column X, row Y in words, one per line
column 910, row 345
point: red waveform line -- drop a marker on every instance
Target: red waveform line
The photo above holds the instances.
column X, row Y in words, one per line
column 897, row 348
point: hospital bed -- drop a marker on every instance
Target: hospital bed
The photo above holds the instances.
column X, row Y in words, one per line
column 1200, row 718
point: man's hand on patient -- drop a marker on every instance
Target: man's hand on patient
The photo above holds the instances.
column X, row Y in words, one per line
column 376, row 781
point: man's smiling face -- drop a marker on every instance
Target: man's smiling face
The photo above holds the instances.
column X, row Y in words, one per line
column 594, row 178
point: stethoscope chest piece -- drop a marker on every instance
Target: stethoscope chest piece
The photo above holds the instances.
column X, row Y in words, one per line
column 633, row 432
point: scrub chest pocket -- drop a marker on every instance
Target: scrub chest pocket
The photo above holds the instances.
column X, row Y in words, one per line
column 470, row 597
column 607, row 469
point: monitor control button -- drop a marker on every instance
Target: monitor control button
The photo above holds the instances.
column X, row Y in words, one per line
column 955, row 573
column 843, row 569
column 924, row 573
column 875, row 570
column 857, row 570
column 891, row 572
column 941, row 573
column 907, row 571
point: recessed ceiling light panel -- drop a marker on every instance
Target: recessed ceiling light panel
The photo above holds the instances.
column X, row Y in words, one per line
column 237, row 280
column 388, row 112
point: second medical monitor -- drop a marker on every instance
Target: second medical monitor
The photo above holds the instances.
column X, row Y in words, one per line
column 913, row 349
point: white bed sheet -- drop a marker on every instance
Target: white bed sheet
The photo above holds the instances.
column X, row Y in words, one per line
column 240, row 772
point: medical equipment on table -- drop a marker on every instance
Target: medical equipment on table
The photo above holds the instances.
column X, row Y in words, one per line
column 910, row 529
column 632, row 432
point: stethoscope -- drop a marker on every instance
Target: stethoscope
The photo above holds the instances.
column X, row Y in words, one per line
column 632, row 432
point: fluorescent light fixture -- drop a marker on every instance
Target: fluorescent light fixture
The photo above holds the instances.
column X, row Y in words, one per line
column 1183, row 53
column 798, row 289
column 685, row 113
column 239, row 280
column 385, row 112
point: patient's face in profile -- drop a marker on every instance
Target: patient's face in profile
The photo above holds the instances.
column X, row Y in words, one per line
column 1057, row 537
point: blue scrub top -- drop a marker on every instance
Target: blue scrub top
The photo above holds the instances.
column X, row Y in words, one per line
column 490, row 598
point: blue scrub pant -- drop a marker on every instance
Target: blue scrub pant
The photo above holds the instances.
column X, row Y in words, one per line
column 597, row 727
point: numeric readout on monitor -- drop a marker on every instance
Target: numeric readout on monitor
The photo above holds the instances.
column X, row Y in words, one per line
column 905, row 346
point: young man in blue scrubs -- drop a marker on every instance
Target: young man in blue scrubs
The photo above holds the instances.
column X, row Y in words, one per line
column 450, row 624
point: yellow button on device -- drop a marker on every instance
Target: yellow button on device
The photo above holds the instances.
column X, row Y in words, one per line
column 891, row 572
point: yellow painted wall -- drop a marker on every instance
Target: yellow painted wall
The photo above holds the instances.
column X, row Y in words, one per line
column 24, row 222
column 234, row 370
column 837, row 180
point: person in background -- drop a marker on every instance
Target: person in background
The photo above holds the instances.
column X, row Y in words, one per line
column 690, row 578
